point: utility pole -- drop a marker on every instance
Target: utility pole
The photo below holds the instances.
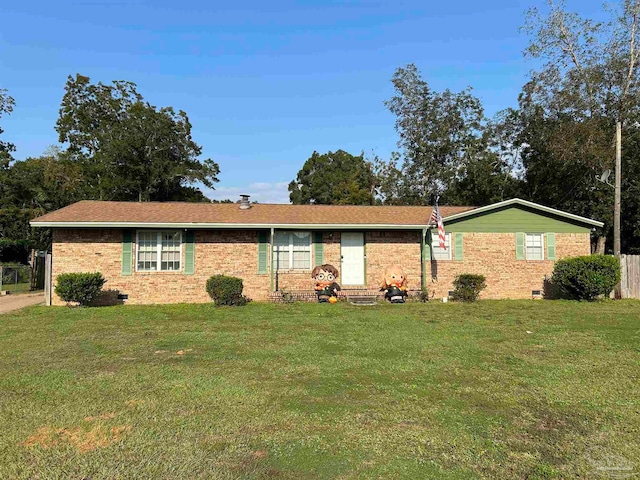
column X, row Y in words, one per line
column 616, row 208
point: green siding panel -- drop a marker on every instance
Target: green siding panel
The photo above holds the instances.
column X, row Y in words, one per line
column 520, row 246
column 514, row 219
column 263, row 252
column 551, row 246
column 457, row 251
column 190, row 253
column 318, row 249
column 127, row 251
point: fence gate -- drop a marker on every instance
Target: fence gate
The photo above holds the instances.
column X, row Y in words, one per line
column 630, row 282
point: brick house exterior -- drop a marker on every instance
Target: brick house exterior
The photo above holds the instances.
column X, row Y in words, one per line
column 165, row 252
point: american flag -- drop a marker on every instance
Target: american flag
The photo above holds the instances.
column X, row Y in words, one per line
column 437, row 219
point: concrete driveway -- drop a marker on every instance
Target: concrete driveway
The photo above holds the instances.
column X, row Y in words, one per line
column 9, row 303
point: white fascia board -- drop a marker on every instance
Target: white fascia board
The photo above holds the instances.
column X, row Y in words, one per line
column 526, row 203
column 234, row 226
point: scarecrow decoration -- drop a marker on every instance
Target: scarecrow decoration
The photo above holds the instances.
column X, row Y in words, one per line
column 326, row 287
column 394, row 284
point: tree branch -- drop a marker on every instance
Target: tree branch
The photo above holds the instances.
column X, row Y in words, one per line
column 632, row 52
column 569, row 48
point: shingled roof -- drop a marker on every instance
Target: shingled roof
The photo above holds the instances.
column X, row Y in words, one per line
column 90, row 213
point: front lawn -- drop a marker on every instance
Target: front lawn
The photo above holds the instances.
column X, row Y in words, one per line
column 497, row 389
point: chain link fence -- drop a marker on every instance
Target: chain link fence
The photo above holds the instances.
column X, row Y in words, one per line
column 15, row 277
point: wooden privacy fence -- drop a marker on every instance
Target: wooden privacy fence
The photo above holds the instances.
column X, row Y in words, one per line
column 630, row 282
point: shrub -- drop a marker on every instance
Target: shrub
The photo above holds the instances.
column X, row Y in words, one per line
column 423, row 296
column 79, row 287
column 587, row 277
column 287, row 296
column 225, row 290
column 550, row 290
column 467, row 287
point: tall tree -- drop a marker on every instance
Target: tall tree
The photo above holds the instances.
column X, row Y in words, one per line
column 569, row 108
column 129, row 149
column 45, row 183
column 486, row 180
column 591, row 68
column 33, row 187
column 440, row 132
column 6, row 107
column 334, row 178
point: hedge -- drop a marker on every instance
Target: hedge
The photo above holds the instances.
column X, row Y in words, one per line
column 587, row 277
column 79, row 287
column 467, row 287
column 225, row 290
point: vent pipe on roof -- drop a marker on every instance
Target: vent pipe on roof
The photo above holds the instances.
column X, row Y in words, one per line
column 244, row 202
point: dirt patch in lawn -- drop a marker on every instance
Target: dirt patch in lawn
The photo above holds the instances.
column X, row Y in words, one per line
column 259, row 454
column 82, row 439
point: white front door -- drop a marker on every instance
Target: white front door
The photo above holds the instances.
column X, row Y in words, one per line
column 352, row 250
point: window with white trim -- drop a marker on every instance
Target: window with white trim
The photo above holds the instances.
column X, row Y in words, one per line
column 292, row 250
column 437, row 252
column 534, row 246
column 158, row 251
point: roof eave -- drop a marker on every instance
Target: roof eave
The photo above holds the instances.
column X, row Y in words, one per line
column 234, row 226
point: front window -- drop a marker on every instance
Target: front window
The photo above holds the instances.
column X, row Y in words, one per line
column 292, row 250
column 159, row 251
column 440, row 253
column 534, row 246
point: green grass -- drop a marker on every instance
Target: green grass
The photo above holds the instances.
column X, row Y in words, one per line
column 16, row 287
column 307, row 391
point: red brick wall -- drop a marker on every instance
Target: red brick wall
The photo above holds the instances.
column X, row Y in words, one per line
column 228, row 252
column 494, row 256
column 235, row 252
column 382, row 249
column 393, row 247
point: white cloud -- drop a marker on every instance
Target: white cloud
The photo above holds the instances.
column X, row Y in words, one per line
column 261, row 192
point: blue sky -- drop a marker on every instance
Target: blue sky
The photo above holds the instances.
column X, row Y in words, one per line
column 264, row 83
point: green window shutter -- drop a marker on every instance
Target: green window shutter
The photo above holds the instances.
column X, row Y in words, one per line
column 189, row 253
column 551, row 246
column 520, row 246
column 127, row 252
column 427, row 246
column 318, row 249
column 457, row 251
column 262, row 252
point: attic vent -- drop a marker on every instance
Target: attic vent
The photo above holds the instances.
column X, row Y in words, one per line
column 244, row 202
